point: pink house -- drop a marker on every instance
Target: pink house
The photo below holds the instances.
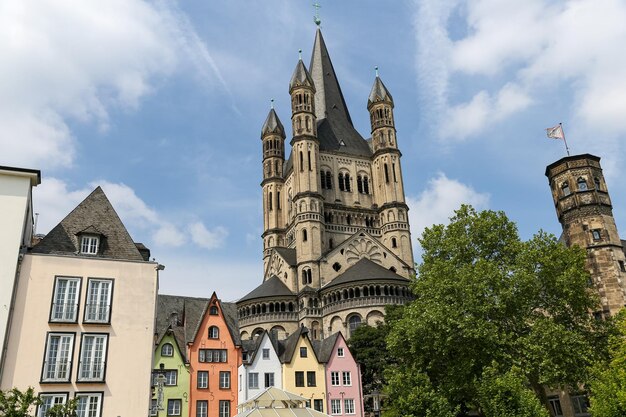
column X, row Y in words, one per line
column 343, row 377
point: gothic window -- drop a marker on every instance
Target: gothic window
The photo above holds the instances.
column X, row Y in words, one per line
column 394, row 242
column 304, row 235
column 301, row 161
column 329, row 180
column 278, row 200
column 269, row 201
column 393, row 169
column 346, row 178
column 386, row 168
column 596, row 181
column 359, row 184
column 341, row 183
column 565, row 189
column 582, row 184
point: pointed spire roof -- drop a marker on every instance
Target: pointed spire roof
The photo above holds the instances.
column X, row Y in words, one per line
column 335, row 129
column 379, row 93
column 301, row 76
column 94, row 215
column 272, row 125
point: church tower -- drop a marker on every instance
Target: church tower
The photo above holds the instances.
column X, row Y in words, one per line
column 273, row 140
column 584, row 209
column 387, row 173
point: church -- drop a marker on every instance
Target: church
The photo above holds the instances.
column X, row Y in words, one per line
column 336, row 237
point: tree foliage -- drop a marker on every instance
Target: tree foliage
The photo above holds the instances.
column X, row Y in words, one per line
column 15, row 403
column 64, row 410
column 485, row 297
column 608, row 384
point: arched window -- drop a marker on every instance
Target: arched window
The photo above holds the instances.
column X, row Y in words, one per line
column 596, row 181
column 565, row 189
column 366, row 185
column 214, row 332
column 394, row 242
column 359, row 184
column 301, row 161
column 167, row 350
column 393, row 170
column 213, row 311
column 278, row 200
column 354, row 322
column 582, row 184
column 341, row 184
column 269, row 201
column 346, row 179
column 386, row 168
column 323, row 179
column 308, row 156
column 329, row 180
column 304, row 235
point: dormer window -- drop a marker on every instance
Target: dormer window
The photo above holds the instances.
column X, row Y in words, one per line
column 89, row 244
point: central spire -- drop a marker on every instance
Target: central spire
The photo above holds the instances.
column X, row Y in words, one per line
column 329, row 101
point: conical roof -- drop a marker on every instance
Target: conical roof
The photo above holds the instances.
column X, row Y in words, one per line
column 272, row 287
column 272, row 125
column 379, row 93
column 301, row 76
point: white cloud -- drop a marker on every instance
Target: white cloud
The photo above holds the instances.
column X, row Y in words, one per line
column 525, row 51
column 436, row 204
column 208, row 239
column 53, row 200
column 73, row 60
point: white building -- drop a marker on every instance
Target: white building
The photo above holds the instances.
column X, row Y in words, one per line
column 261, row 370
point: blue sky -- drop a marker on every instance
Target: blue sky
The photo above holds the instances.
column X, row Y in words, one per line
column 162, row 103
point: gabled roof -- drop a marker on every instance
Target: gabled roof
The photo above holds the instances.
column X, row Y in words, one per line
column 288, row 254
column 289, row 344
column 272, row 287
column 232, row 322
column 335, row 130
column 273, row 125
column 254, row 345
column 94, row 213
column 324, row 348
column 379, row 93
column 365, row 270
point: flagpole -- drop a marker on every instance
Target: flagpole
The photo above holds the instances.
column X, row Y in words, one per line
column 564, row 141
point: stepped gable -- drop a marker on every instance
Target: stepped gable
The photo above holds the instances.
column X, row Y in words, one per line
column 96, row 216
column 335, row 130
column 273, row 287
column 365, row 270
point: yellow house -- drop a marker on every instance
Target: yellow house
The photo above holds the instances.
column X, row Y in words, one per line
column 303, row 374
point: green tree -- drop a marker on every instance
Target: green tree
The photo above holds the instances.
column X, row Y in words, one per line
column 369, row 346
column 64, row 410
column 15, row 403
column 608, row 384
column 483, row 296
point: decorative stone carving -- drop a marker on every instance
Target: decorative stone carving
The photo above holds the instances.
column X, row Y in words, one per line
column 363, row 248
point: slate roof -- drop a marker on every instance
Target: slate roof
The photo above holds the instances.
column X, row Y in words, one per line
column 288, row 346
column 379, row 92
column 324, row 348
column 335, row 130
column 288, row 254
column 365, row 270
column 273, row 287
column 94, row 214
column 300, row 76
column 273, row 125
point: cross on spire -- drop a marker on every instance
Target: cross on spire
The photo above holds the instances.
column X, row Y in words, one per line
column 316, row 18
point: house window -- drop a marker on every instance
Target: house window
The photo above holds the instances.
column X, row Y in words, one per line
column 303, row 352
column 224, row 379
column 596, row 234
column 266, row 353
column 58, row 360
column 555, row 406
column 203, row 379
column 334, row 378
column 154, row 407
column 89, row 245
column 340, row 352
column 318, row 405
column 582, row 184
column 335, row 407
column 224, row 408
column 65, row 300
column 213, row 311
column 202, row 408
column 212, row 355
column 347, row 378
column 48, row 401
column 253, row 380
column 310, row 379
column 299, row 379
column 171, row 377
column 98, row 307
column 348, row 406
column 88, row 405
column 167, row 350
column 174, row 407
column 269, row 379
column 214, row 332
column 92, row 357
column 580, row 403
column 565, row 189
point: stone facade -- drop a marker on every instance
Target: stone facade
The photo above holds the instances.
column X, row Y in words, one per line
column 584, row 209
column 337, row 244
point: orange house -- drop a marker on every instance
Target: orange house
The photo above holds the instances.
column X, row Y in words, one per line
column 214, row 356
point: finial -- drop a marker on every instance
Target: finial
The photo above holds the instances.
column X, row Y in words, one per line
column 376, row 69
column 316, row 18
column 272, row 104
column 300, row 54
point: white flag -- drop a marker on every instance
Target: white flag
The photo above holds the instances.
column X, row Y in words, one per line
column 555, row 132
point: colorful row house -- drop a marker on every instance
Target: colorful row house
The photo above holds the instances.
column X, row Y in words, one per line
column 197, row 354
column 322, row 371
